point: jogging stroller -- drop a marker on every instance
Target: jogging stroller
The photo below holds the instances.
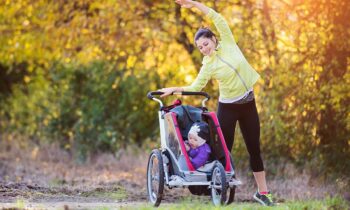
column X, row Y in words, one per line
column 170, row 165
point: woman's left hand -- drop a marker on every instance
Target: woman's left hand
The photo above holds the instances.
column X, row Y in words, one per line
column 168, row 91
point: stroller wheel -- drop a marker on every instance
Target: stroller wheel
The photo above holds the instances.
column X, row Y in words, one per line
column 155, row 177
column 230, row 195
column 219, row 185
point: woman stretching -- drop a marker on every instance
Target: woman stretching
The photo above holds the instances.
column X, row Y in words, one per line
column 224, row 61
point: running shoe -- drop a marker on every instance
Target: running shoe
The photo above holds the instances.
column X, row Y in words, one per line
column 265, row 200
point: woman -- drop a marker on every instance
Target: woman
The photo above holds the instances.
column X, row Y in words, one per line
column 224, row 61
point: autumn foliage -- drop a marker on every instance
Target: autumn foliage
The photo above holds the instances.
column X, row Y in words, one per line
column 77, row 72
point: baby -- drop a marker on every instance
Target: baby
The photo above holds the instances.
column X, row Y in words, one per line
column 196, row 147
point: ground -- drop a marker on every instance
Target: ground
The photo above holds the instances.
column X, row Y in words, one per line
column 48, row 177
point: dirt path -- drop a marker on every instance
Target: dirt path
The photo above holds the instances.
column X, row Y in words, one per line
column 48, row 178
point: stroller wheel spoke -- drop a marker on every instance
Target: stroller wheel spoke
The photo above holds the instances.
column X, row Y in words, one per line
column 154, row 195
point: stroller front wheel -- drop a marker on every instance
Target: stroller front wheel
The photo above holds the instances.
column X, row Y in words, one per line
column 155, row 177
column 219, row 185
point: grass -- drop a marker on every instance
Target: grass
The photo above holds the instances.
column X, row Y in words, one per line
column 335, row 203
column 329, row 203
column 115, row 195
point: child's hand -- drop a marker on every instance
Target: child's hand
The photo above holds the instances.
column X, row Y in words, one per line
column 187, row 146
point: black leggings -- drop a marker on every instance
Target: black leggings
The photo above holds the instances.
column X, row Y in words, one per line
column 247, row 116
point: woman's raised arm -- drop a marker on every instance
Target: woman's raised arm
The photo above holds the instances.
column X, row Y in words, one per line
column 218, row 20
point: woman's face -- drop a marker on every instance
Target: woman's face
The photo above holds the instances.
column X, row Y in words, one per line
column 206, row 45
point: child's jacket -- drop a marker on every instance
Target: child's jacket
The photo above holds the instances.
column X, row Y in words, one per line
column 200, row 155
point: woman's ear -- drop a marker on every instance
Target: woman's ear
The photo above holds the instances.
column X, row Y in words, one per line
column 215, row 42
column 213, row 38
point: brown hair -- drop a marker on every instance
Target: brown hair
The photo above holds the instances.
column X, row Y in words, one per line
column 203, row 32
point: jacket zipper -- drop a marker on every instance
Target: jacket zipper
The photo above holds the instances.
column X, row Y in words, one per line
column 245, row 85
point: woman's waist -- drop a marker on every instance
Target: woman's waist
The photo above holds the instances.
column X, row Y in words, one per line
column 235, row 96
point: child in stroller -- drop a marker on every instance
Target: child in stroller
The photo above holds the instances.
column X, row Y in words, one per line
column 196, row 146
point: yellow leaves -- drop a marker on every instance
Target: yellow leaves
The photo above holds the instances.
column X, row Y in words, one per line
column 68, row 46
column 304, row 113
column 85, row 31
column 131, row 61
column 79, row 113
column 89, row 54
column 70, row 134
column 46, row 122
column 27, row 45
column 26, row 23
column 271, row 83
column 96, row 5
column 67, row 60
column 26, row 79
column 147, row 33
column 55, row 114
column 122, row 53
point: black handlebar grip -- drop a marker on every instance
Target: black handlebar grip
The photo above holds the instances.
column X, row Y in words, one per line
column 185, row 93
column 150, row 94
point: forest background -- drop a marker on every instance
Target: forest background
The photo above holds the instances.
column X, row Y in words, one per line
column 76, row 74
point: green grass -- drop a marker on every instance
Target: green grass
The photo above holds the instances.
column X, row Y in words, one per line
column 329, row 203
column 115, row 195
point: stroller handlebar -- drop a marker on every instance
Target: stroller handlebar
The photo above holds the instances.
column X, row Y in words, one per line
column 151, row 95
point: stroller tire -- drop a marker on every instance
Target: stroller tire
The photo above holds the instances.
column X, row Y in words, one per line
column 199, row 190
column 231, row 191
column 155, row 177
column 230, row 196
column 218, row 185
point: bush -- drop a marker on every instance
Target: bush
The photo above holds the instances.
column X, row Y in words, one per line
column 85, row 108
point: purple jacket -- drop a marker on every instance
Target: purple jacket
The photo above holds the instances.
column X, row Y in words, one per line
column 200, row 155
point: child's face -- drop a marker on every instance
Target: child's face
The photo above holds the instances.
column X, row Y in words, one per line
column 192, row 140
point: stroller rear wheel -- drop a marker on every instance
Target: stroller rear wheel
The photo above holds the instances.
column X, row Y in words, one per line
column 230, row 195
column 155, row 177
column 219, row 185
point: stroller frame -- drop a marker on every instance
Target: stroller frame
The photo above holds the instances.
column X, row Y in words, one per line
column 174, row 168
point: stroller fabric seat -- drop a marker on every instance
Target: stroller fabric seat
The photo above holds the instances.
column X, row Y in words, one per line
column 186, row 116
column 208, row 167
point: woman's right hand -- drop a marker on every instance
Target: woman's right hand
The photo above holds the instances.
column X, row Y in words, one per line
column 185, row 3
column 169, row 91
column 190, row 4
